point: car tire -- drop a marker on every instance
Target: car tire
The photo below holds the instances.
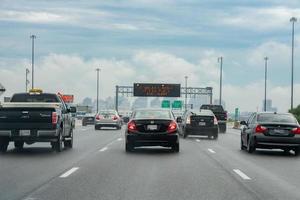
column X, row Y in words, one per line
column 297, row 151
column 58, row 145
column 175, row 147
column 222, row 128
column 215, row 136
column 128, row 147
column 251, row 146
column 69, row 143
column 184, row 133
column 3, row 144
column 19, row 144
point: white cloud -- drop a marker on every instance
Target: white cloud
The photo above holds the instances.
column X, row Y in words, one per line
column 261, row 19
column 74, row 75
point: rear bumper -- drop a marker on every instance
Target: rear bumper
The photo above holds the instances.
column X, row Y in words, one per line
column 35, row 135
column 107, row 124
column 191, row 130
column 88, row 122
column 165, row 140
column 262, row 141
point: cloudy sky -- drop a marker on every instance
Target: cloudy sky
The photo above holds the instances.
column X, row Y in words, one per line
column 152, row 41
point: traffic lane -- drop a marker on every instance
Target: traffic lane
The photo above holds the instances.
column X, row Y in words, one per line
column 274, row 174
column 23, row 171
column 145, row 174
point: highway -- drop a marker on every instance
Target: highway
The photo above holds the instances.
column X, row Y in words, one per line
column 99, row 168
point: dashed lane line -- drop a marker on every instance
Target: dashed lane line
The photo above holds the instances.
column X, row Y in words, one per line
column 69, row 172
column 242, row 174
column 103, row 149
column 211, row 150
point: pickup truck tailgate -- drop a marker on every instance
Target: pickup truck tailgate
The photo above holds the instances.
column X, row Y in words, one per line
column 26, row 118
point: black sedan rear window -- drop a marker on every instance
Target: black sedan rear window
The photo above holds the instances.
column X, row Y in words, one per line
column 152, row 114
column 276, row 118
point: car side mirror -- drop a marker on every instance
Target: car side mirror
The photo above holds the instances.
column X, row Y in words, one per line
column 243, row 123
column 178, row 119
column 72, row 109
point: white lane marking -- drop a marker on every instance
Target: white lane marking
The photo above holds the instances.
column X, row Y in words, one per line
column 242, row 174
column 211, row 151
column 198, row 140
column 119, row 139
column 103, row 149
column 69, row 172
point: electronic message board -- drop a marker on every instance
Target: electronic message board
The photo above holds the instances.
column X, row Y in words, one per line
column 156, row 90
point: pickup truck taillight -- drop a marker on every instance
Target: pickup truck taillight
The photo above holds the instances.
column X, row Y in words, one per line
column 54, row 118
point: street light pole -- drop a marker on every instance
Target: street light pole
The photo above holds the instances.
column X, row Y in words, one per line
column 98, row 70
column 220, row 60
column 32, row 60
column 266, row 68
column 185, row 107
column 293, row 20
column 27, row 81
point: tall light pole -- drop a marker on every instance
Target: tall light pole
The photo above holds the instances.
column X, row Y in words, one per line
column 220, row 60
column 293, row 20
column 185, row 106
column 266, row 68
column 27, row 81
column 98, row 70
column 32, row 60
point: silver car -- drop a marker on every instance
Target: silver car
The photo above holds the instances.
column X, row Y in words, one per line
column 108, row 118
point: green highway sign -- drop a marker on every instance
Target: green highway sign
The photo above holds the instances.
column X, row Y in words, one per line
column 165, row 104
column 177, row 104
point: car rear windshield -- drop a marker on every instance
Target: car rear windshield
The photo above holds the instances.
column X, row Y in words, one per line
column 276, row 118
column 152, row 114
column 214, row 108
column 107, row 113
column 47, row 98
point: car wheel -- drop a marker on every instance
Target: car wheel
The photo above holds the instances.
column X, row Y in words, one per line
column 175, row 147
column 19, row 144
column 215, row 136
column 69, row 143
column 250, row 147
column 3, row 145
column 297, row 151
column 59, row 143
column 128, row 147
column 184, row 133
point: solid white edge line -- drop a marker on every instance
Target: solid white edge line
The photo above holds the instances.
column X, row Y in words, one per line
column 69, row 172
column 242, row 174
column 103, row 149
column 211, row 151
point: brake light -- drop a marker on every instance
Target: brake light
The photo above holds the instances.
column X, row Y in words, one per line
column 54, row 118
column 172, row 127
column 98, row 117
column 296, row 130
column 131, row 126
column 188, row 120
column 260, row 129
column 215, row 121
column 115, row 117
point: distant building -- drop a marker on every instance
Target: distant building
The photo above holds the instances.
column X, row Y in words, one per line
column 269, row 107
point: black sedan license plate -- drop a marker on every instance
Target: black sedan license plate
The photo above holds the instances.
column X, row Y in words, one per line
column 202, row 123
column 152, row 127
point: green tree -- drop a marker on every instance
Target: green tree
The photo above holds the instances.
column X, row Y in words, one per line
column 296, row 112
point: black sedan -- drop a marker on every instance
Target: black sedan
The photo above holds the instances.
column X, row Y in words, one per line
column 203, row 123
column 88, row 119
column 271, row 131
column 152, row 127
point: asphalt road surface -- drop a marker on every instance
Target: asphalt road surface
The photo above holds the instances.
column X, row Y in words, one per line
column 99, row 168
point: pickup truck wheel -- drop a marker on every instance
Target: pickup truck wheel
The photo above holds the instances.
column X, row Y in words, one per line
column 58, row 145
column 69, row 143
column 19, row 144
column 175, row 147
column 3, row 145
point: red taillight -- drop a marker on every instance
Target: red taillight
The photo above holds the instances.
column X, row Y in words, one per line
column 296, row 130
column 115, row 117
column 54, row 118
column 215, row 121
column 260, row 129
column 131, row 126
column 172, row 127
column 98, row 117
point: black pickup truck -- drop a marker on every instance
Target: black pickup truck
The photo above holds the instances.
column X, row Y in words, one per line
column 36, row 117
column 220, row 114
